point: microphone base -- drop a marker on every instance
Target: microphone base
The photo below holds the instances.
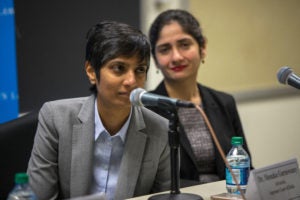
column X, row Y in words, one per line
column 181, row 196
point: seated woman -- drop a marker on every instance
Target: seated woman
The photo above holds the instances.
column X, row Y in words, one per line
column 178, row 49
column 101, row 143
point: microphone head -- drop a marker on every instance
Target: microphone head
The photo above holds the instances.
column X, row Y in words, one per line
column 283, row 74
column 135, row 96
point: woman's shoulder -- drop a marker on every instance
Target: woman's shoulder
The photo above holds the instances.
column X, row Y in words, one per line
column 215, row 92
column 68, row 105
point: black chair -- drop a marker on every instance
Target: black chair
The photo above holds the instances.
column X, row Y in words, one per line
column 16, row 141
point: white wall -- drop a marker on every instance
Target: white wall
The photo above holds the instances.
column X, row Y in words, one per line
column 272, row 128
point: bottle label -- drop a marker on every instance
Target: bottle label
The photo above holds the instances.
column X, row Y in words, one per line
column 241, row 175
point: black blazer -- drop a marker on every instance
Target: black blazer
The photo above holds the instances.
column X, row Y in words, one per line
column 222, row 113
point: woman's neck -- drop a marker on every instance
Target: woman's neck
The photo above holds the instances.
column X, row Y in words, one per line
column 113, row 119
column 185, row 90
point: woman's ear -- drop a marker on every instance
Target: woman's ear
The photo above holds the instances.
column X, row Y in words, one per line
column 203, row 50
column 90, row 72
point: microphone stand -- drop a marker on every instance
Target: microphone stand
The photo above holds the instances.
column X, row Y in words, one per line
column 174, row 143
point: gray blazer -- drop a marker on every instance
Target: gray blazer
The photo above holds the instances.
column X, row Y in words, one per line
column 61, row 163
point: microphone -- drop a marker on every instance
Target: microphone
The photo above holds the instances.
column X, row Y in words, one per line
column 140, row 97
column 285, row 75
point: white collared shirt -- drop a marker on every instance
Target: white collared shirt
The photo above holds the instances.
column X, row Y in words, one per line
column 108, row 154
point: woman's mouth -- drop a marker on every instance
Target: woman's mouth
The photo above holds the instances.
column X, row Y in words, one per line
column 178, row 68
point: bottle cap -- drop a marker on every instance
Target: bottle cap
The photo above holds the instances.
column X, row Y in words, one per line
column 21, row 178
column 237, row 140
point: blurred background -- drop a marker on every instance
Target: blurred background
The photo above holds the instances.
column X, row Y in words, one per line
column 248, row 41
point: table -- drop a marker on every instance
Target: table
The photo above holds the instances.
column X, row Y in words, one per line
column 204, row 190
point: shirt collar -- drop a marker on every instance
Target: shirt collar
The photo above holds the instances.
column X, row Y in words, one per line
column 99, row 128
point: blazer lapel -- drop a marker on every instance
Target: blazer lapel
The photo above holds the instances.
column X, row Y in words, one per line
column 133, row 156
column 212, row 111
column 82, row 150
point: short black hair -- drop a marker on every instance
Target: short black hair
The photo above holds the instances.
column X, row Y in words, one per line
column 110, row 39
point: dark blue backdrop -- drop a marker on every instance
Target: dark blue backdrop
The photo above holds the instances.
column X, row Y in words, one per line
column 8, row 66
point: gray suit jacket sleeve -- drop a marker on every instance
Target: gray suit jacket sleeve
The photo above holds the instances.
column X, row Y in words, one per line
column 43, row 164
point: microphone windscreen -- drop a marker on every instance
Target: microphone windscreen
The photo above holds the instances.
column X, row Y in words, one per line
column 283, row 74
column 135, row 96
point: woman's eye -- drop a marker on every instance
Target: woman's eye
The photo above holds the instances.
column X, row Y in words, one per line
column 118, row 68
column 163, row 50
column 185, row 45
column 142, row 69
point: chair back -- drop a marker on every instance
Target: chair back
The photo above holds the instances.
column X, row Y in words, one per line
column 16, row 142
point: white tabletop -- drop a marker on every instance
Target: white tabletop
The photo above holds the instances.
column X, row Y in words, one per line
column 204, row 190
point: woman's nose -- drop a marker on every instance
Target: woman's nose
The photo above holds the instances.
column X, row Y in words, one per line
column 176, row 55
column 130, row 78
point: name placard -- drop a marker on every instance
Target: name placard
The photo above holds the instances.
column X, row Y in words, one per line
column 277, row 182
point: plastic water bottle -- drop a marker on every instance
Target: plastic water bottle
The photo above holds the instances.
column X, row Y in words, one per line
column 22, row 189
column 239, row 162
